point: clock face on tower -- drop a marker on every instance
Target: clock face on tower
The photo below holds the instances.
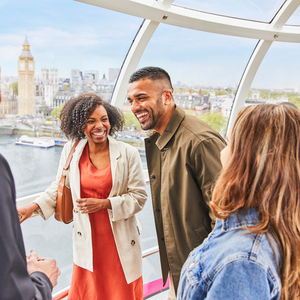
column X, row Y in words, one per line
column 30, row 66
column 22, row 66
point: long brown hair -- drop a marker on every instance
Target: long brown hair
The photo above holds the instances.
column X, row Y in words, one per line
column 263, row 171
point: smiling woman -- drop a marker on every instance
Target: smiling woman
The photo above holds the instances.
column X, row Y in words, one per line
column 108, row 189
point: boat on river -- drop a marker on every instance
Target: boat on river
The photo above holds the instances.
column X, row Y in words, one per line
column 41, row 142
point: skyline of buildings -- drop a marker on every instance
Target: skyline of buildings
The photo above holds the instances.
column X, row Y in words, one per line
column 35, row 95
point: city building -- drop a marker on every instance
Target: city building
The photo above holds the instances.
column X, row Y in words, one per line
column 76, row 77
column 49, row 85
column 90, row 77
column 192, row 101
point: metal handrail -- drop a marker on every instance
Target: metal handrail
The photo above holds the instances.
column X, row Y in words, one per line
column 65, row 292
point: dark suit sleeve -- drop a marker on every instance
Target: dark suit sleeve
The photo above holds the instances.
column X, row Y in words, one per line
column 42, row 285
column 15, row 283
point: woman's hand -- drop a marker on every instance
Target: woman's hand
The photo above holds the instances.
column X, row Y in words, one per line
column 26, row 211
column 91, row 205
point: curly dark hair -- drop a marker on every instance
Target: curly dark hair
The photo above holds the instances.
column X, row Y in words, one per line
column 76, row 111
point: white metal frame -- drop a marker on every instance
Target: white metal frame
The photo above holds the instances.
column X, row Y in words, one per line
column 165, row 12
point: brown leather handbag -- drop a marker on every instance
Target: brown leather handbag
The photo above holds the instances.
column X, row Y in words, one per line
column 64, row 205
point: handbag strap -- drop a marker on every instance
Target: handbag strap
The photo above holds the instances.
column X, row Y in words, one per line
column 68, row 161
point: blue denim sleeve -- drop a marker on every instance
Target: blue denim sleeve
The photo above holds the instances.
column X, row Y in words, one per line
column 185, row 288
column 242, row 279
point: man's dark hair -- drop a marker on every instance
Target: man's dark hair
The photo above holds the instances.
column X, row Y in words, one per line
column 153, row 73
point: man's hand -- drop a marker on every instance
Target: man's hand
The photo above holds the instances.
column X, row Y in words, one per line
column 44, row 265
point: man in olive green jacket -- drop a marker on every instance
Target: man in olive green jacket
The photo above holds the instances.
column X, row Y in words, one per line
column 183, row 157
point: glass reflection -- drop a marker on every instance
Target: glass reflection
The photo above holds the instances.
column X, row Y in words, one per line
column 246, row 9
column 295, row 18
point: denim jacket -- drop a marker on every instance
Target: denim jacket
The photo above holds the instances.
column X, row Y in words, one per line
column 231, row 264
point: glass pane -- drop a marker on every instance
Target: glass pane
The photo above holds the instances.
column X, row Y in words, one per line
column 65, row 35
column 205, row 69
column 295, row 18
column 246, row 9
column 33, row 168
column 278, row 78
column 76, row 48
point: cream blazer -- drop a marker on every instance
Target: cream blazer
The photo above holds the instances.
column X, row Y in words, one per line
column 128, row 196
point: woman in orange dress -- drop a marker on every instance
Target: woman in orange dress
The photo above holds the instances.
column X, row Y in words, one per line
column 108, row 189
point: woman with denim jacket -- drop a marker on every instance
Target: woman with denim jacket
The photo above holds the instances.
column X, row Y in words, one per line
column 254, row 250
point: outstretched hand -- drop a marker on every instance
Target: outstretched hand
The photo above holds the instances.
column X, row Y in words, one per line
column 91, row 205
column 26, row 211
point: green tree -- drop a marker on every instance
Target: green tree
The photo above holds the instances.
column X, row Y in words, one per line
column 55, row 113
column 131, row 121
column 295, row 100
column 219, row 93
column 215, row 120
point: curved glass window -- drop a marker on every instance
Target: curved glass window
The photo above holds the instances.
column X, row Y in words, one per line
column 246, row 9
column 76, row 48
column 279, row 72
column 65, row 35
column 277, row 79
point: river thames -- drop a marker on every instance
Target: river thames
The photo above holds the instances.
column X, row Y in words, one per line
column 34, row 169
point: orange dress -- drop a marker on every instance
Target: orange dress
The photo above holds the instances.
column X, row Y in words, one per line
column 107, row 281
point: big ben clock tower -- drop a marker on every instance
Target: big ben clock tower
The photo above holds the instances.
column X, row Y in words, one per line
column 26, row 84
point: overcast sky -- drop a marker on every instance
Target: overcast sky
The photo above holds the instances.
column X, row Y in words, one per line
column 66, row 35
